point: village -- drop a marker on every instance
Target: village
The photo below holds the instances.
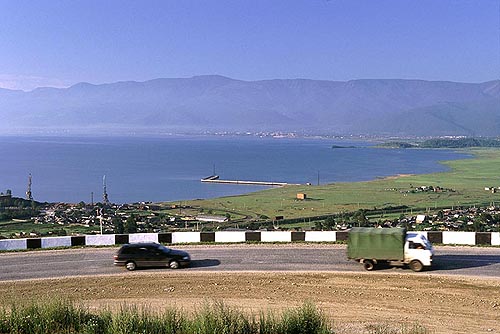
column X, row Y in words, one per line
column 20, row 218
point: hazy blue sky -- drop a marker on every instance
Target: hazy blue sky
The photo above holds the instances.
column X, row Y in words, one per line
column 59, row 43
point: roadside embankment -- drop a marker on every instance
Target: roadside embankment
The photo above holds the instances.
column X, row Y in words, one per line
column 442, row 304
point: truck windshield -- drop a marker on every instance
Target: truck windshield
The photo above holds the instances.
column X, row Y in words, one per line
column 418, row 239
column 426, row 243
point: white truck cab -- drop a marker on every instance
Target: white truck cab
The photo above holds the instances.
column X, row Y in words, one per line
column 418, row 251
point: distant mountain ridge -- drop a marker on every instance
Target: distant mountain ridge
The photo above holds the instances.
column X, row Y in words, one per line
column 217, row 103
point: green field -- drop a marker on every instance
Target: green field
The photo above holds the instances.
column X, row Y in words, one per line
column 464, row 186
column 24, row 228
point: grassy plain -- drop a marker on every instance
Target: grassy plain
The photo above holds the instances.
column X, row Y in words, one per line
column 466, row 178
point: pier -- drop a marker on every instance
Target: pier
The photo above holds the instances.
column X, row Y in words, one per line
column 215, row 179
column 210, row 178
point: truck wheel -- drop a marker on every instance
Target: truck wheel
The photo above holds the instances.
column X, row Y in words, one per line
column 368, row 265
column 416, row 265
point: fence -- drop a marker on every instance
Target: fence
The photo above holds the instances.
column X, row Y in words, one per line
column 455, row 238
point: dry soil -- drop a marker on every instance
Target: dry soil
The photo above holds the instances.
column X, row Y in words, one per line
column 442, row 304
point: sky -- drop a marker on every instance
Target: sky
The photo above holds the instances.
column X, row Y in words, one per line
column 60, row 43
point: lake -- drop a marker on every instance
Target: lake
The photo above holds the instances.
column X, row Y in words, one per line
column 70, row 169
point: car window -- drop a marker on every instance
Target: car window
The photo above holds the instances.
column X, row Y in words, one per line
column 164, row 249
column 126, row 250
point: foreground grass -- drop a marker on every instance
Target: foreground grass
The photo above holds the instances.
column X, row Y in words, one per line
column 65, row 317
column 467, row 178
column 213, row 318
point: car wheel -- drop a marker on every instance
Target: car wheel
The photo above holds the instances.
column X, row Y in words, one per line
column 130, row 265
column 416, row 265
column 368, row 265
column 173, row 264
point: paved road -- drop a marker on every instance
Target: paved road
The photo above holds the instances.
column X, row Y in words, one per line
column 469, row 261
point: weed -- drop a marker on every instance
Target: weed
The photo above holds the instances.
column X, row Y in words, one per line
column 213, row 318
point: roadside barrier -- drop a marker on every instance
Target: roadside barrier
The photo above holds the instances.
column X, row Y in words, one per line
column 447, row 238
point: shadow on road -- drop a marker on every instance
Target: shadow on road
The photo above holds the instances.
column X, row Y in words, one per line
column 450, row 262
column 204, row 263
column 454, row 262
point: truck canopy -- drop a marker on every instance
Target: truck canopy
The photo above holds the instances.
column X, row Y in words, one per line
column 376, row 243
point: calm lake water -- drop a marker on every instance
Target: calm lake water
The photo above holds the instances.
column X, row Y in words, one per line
column 170, row 168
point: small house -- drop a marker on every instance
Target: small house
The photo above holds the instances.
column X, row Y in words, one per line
column 421, row 219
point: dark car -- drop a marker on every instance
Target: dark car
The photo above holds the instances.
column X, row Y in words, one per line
column 151, row 254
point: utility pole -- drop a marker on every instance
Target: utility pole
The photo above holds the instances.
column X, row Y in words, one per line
column 99, row 211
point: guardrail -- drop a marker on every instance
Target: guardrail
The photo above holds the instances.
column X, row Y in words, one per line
column 451, row 238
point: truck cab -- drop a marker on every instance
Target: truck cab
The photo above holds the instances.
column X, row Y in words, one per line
column 418, row 251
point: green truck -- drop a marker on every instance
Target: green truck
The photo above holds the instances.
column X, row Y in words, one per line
column 394, row 246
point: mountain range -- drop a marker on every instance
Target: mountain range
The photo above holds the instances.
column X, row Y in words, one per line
column 394, row 107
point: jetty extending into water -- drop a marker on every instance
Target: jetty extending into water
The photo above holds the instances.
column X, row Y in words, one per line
column 215, row 179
